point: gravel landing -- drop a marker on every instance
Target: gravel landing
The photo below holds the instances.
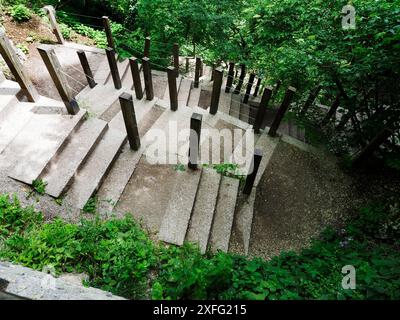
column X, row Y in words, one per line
column 298, row 196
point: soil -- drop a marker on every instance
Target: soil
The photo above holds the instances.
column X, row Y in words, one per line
column 300, row 194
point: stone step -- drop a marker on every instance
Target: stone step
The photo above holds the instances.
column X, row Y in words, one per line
column 224, row 214
column 194, row 97
column 102, row 72
column 225, row 101
column 60, row 172
column 13, row 122
column 268, row 145
column 8, row 97
column 124, row 167
column 99, row 99
column 89, row 178
column 176, row 218
column 204, row 208
column 41, row 139
column 244, row 113
column 123, row 66
column 184, row 92
column 235, row 106
column 178, row 84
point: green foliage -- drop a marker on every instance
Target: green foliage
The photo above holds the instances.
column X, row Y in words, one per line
column 20, row 13
column 119, row 256
column 39, row 186
column 228, row 169
column 91, row 205
column 24, row 48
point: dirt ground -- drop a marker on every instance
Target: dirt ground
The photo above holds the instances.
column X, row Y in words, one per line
column 301, row 193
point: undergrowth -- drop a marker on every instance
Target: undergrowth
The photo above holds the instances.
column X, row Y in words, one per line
column 119, row 256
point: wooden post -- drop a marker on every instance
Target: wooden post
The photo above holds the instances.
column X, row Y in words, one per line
column 107, row 29
column 262, row 108
column 148, row 81
column 282, row 110
column 229, row 80
column 311, row 98
column 187, row 65
column 114, row 68
column 248, row 89
column 173, row 92
column 146, row 52
column 216, row 91
column 51, row 14
column 137, row 84
column 86, row 68
column 128, row 112
column 194, row 140
column 241, row 79
column 214, row 66
column 53, row 66
column 379, row 139
column 255, row 164
column 197, row 72
column 332, row 110
column 201, row 68
column 255, row 94
column 175, row 52
column 16, row 68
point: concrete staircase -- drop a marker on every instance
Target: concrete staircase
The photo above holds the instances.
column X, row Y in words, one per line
column 88, row 155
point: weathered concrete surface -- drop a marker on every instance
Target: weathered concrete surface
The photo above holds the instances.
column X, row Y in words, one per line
column 194, row 97
column 177, row 215
column 224, row 213
column 122, row 170
column 60, row 172
column 38, row 285
column 235, row 105
column 184, row 92
column 204, row 208
column 178, row 85
column 123, row 67
column 90, row 177
column 225, row 101
column 8, row 97
column 38, row 142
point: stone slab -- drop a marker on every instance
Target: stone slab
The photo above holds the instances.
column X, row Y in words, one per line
column 39, row 142
column 224, row 214
column 176, row 218
column 235, row 105
column 244, row 113
column 35, row 285
column 178, row 85
column 89, row 178
column 103, row 71
column 225, row 101
column 184, row 92
column 204, row 208
column 60, row 172
column 194, row 97
column 8, row 96
column 268, row 145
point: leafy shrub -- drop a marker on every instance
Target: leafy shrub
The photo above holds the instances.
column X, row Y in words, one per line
column 120, row 257
column 20, row 13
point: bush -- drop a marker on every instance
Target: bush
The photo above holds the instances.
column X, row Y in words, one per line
column 20, row 13
column 119, row 257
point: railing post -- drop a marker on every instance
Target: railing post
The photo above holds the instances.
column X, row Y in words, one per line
column 262, row 108
column 241, row 79
column 311, row 98
column 53, row 66
column 128, row 112
column 86, row 68
column 380, row 138
column 146, row 52
column 282, row 110
column 148, row 81
column 216, row 91
column 187, row 64
column 197, row 72
column 332, row 110
column 137, row 84
column 175, row 51
column 16, row 68
column 255, row 94
column 229, row 80
column 113, row 68
column 255, row 164
column 173, row 92
column 194, row 140
column 107, row 29
column 51, row 14
column 214, row 66
column 248, row 89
